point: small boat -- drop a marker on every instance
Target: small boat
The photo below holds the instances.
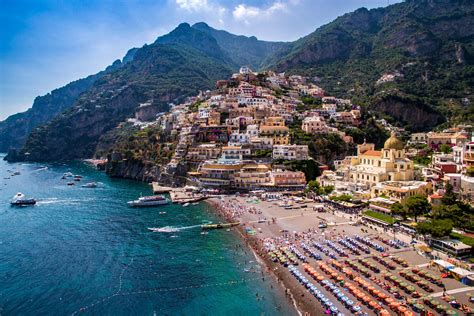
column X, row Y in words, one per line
column 77, row 179
column 186, row 204
column 16, row 173
column 195, row 203
column 219, row 226
column 68, row 175
column 90, row 185
column 71, row 183
column 78, row 176
column 154, row 200
column 20, row 200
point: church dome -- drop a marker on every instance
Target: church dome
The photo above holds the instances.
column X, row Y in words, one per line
column 393, row 143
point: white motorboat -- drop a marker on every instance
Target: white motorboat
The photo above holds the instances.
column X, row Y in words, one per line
column 154, row 200
column 90, row 185
column 19, row 199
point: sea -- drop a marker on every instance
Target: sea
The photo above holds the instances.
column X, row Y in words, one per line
column 83, row 251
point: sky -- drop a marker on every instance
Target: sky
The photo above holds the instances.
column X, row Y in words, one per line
column 45, row 44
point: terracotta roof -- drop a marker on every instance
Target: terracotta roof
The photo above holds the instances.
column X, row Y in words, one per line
column 376, row 153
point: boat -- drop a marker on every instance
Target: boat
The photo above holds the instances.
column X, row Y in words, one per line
column 90, row 185
column 219, row 226
column 195, row 203
column 71, row 183
column 19, row 200
column 154, row 200
column 186, row 204
column 68, row 175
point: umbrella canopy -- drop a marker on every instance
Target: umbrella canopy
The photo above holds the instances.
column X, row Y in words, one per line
column 402, row 309
column 419, row 307
column 408, row 313
column 441, row 308
column 384, row 312
column 451, row 312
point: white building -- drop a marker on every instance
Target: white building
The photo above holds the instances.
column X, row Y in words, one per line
column 290, row 152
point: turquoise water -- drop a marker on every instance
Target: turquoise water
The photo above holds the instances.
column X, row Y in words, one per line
column 81, row 248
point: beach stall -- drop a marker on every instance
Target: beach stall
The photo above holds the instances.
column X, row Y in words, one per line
column 462, row 275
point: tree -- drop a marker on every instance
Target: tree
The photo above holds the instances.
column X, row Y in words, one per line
column 436, row 228
column 445, row 149
column 399, row 209
column 417, row 205
column 449, row 197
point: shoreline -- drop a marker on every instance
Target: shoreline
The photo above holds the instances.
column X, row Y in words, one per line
column 293, row 292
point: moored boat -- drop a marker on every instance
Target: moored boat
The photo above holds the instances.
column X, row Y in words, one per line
column 154, row 200
column 90, row 185
column 19, row 199
column 219, row 226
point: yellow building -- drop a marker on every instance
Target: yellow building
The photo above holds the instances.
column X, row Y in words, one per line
column 252, row 176
column 374, row 166
column 279, row 134
column 401, row 190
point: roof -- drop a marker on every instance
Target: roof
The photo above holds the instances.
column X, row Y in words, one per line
column 374, row 153
column 270, row 128
column 393, row 143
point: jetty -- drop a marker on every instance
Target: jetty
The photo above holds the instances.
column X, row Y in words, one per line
column 180, row 195
column 157, row 189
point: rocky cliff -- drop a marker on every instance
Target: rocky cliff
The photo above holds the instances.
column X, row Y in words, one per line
column 428, row 44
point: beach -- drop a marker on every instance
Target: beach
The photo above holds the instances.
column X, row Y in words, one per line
column 267, row 226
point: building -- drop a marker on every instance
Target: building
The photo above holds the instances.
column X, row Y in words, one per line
column 418, row 138
column 237, row 139
column 290, row 152
column 279, row 134
column 252, row 176
column 314, row 125
column 435, row 140
column 234, row 153
column 274, row 121
column 203, row 152
column 468, row 154
column 221, row 175
column 452, row 247
column 401, row 190
column 466, row 190
column 289, row 180
column 374, row 166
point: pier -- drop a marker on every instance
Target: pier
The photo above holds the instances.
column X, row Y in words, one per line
column 157, row 189
column 180, row 195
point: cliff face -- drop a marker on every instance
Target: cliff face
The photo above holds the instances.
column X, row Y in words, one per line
column 414, row 113
column 15, row 129
column 133, row 169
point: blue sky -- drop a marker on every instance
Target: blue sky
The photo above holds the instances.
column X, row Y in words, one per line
column 45, row 44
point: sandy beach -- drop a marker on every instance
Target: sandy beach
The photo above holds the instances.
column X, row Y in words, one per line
column 268, row 226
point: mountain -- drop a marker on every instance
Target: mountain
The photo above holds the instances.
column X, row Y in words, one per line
column 242, row 50
column 15, row 129
column 413, row 61
column 175, row 66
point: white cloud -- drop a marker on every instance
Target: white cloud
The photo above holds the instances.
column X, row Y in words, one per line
column 200, row 6
column 246, row 13
column 193, row 5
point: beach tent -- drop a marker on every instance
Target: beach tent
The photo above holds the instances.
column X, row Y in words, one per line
column 461, row 274
column 444, row 264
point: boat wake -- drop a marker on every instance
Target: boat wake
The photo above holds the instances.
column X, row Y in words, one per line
column 171, row 229
column 59, row 201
